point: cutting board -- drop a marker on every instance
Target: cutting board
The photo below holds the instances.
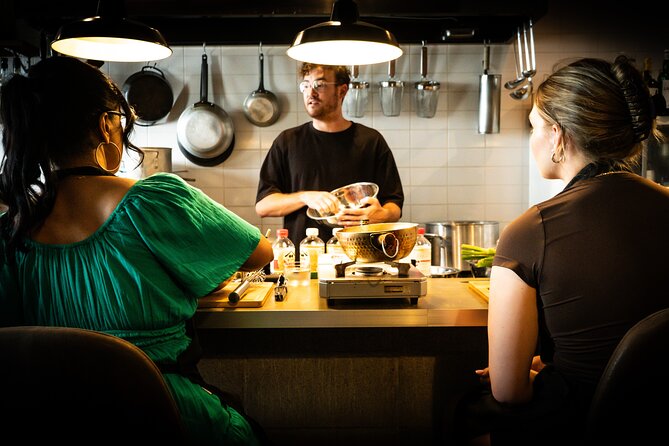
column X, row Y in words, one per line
column 480, row 287
column 255, row 296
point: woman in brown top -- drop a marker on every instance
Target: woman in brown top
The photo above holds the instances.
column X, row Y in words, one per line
column 568, row 278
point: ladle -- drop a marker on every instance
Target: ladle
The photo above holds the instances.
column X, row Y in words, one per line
column 530, row 58
column 523, row 92
column 520, row 77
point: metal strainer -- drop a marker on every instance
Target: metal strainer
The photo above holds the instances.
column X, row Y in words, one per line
column 378, row 242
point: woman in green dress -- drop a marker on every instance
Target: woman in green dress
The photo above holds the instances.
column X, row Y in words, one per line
column 81, row 247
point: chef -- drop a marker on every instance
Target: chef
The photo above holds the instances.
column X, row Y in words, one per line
column 307, row 161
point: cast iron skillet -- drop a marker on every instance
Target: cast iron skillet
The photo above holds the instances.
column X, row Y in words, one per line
column 150, row 94
column 205, row 132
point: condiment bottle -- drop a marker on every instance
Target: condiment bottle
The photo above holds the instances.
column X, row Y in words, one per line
column 284, row 250
column 422, row 253
column 313, row 245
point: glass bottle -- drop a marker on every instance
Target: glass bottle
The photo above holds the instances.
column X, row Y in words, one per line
column 314, row 246
column 284, row 250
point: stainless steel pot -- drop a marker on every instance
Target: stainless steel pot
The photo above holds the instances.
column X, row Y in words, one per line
column 447, row 237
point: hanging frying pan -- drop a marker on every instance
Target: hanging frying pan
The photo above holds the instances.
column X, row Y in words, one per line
column 261, row 106
column 150, row 94
column 205, row 132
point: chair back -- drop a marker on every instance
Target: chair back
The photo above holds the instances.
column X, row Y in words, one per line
column 631, row 402
column 82, row 387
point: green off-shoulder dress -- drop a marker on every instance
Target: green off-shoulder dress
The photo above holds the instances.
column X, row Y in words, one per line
column 139, row 277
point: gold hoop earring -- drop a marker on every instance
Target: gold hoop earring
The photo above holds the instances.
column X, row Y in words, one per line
column 101, row 156
column 561, row 158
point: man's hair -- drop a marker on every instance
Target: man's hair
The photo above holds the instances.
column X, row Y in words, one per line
column 342, row 73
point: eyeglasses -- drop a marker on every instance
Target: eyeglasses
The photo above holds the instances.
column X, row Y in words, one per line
column 118, row 113
column 316, row 85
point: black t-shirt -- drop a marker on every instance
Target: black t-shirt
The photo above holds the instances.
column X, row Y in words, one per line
column 303, row 158
column 596, row 254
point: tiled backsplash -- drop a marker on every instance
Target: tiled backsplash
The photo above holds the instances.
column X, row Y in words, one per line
column 449, row 170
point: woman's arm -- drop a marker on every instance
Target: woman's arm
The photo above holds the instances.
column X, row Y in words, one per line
column 260, row 256
column 512, row 336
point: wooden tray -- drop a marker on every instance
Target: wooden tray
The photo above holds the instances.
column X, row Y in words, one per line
column 480, row 287
column 255, row 296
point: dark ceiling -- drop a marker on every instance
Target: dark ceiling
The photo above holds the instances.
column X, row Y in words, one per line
column 26, row 26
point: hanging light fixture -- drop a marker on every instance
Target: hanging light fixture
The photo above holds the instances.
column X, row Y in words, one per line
column 109, row 36
column 344, row 40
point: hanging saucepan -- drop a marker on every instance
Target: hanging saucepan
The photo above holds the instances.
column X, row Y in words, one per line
column 261, row 107
column 205, row 132
column 150, row 94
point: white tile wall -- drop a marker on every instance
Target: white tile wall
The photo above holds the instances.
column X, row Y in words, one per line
column 449, row 171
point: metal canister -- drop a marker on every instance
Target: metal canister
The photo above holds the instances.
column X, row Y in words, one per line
column 490, row 92
column 447, row 237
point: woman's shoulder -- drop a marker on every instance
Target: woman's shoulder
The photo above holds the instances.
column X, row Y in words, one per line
column 161, row 188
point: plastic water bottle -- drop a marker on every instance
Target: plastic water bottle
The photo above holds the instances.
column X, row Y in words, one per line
column 335, row 250
column 333, row 246
column 422, row 253
column 314, row 246
column 284, row 250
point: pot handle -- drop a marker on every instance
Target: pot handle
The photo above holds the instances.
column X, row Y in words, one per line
column 149, row 67
column 381, row 240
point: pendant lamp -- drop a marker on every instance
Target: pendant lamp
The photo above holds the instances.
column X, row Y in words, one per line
column 109, row 36
column 344, row 40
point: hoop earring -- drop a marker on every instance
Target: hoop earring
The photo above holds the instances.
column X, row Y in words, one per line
column 561, row 158
column 101, row 156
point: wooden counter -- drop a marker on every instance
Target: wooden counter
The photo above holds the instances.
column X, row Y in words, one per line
column 449, row 302
column 357, row 374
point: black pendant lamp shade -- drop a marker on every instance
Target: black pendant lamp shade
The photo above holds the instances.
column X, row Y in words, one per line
column 344, row 40
column 109, row 36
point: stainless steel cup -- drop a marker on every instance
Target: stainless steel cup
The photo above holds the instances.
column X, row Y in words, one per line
column 427, row 98
column 356, row 99
column 391, row 93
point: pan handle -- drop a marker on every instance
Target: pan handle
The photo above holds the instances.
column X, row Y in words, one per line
column 204, row 79
column 261, row 88
column 382, row 239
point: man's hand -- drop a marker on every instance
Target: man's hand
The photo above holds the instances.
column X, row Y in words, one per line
column 324, row 202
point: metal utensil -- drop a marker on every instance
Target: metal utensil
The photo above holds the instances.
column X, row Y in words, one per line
column 489, row 96
column 237, row 294
column 261, row 107
column 530, row 57
column 391, row 92
column 357, row 96
column 427, row 92
column 205, row 132
column 523, row 92
column 518, row 55
column 378, row 242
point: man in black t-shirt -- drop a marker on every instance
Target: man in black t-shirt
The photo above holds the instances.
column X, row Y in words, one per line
column 306, row 162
